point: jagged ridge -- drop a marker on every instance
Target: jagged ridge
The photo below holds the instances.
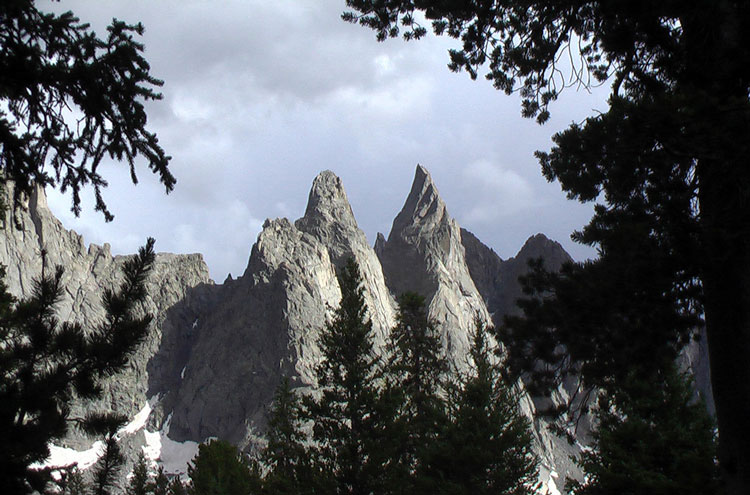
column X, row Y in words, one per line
column 218, row 352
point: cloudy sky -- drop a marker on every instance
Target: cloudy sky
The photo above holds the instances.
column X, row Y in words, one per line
column 260, row 96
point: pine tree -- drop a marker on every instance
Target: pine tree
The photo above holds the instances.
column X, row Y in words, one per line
column 73, row 483
column 286, row 456
column 652, row 438
column 138, row 484
column 344, row 413
column 667, row 162
column 160, row 484
column 219, row 468
column 415, row 380
column 176, row 487
column 107, row 469
column 58, row 66
column 44, row 364
column 487, row 448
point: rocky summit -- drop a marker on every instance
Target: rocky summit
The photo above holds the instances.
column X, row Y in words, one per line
column 217, row 352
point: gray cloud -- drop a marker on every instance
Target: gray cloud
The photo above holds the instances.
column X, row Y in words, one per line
column 261, row 96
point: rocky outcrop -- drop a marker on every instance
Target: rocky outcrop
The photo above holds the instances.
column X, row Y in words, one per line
column 217, row 352
column 497, row 280
column 330, row 220
column 32, row 238
column 428, row 253
column 268, row 321
column 424, row 254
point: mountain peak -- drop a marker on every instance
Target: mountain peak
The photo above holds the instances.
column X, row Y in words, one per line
column 423, row 206
column 328, row 198
column 329, row 217
column 421, row 175
column 541, row 246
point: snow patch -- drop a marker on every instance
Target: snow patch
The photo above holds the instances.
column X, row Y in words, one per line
column 138, row 422
column 172, row 455
column 63, row 456
column 550, row 488
column 152, row 449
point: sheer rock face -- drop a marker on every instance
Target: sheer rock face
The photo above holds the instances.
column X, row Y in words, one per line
column 217, row 352
column 264, row 326
column 497, row 280
column 30, row 229
column 424, row 254
column 268, row 321
column 329, row 219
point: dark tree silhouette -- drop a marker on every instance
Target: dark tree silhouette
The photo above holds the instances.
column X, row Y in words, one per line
column 44, row 364
column 668, row 161
column 138, row 484
column 220, row 468
column 160, row 484
column 345, row 413
column 653, row 437
column 70, row 100
column 107, row 469
column 415, row 379
column 487, row 446
column 287, row 457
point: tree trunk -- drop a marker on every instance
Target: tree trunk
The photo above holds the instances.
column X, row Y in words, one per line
column 717, row 59
column 725, row 216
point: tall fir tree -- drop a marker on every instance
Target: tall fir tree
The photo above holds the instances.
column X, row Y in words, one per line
column 72, row 482
column 667, row 161
column 415, row 377
column 652, row 437
column 44, row 364
column 176, row 487
column 487, row 447
column 138, row 484
column 219, row 468
column 344, row 412
column 106, row 471
column 159, row 485
column 290, row 470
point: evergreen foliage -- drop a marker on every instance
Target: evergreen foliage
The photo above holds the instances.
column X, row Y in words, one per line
column 138, row 484
column 667, row 161
column 160, row 484
column 287, row 458
column 344, row 413
column 176, row 487
column 72, row 482
column 391, row 428
column 414, row 396
column 630, row 318
column 219, row 469
column 486, row 448
column 652, row 438
column 53, row 67
column 44, row 364
column 144, row 482
column 107, row 469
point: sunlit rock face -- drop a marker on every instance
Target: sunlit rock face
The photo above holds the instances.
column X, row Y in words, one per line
column 424, row 254
column 32, row 234
column 216, row 353
column 268, row 321
column 330, row 220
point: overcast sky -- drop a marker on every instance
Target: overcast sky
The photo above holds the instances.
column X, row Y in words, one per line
column 260, row 96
